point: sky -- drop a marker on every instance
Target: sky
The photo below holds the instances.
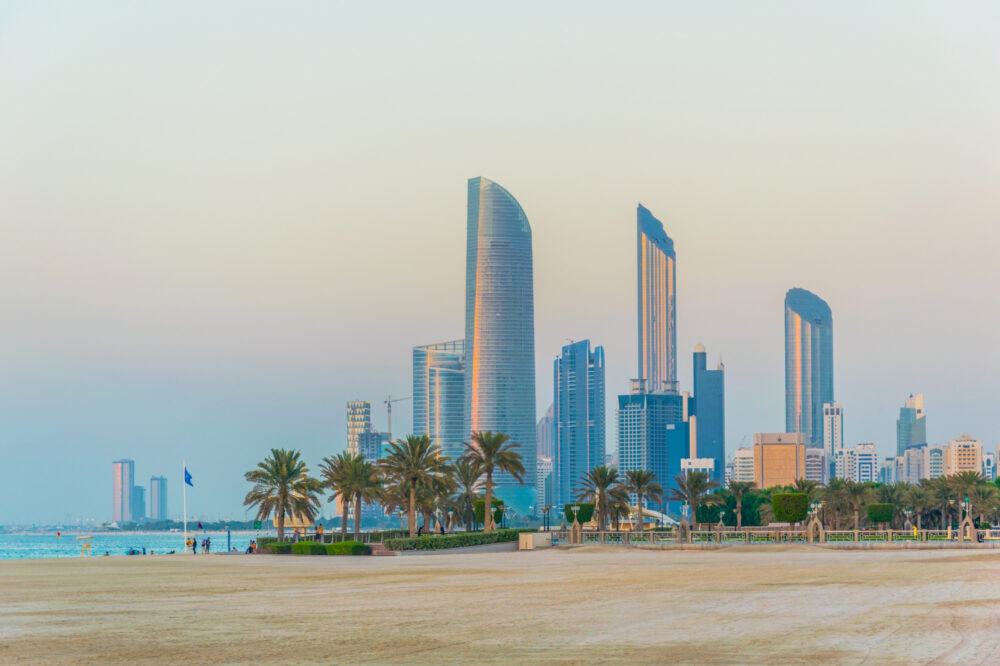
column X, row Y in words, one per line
column 219, row 222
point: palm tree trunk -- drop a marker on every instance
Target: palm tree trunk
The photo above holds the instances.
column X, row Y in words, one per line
column 856, row 511
column 411, row 515
column 357, row 515
column 343, row 516
column 739, row 514
column 488, row 503
column 281, row 525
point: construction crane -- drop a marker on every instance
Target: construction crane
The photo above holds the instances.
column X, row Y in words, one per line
column 388, row 408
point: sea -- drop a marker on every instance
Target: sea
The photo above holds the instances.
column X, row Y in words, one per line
column 15, row 546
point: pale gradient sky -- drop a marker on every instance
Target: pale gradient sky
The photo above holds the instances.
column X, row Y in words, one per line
column 220, row 223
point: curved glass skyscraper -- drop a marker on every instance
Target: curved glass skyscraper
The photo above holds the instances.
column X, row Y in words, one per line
column 657, row 296
column 500, row 328
column 808, row 363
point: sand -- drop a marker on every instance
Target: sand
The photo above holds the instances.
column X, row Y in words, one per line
column 584, row 605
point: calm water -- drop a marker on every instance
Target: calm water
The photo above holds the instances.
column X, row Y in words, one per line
column 16, row 546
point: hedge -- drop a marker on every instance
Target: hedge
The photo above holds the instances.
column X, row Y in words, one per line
column 308, row 548
column 584, row 515
column 348, row 548
column 790, row 507
column 481, row 513
column 279, row 548
column 880, row 513
column 440, row 542
column 263, row 542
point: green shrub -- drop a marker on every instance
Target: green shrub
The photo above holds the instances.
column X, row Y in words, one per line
column 584, row 515
column 790, row 507
column 308, row 548
column 279, row 548
column 497, row 510
column 461, row 540
column 348, row 548
column 262, row 543
column 880, row 513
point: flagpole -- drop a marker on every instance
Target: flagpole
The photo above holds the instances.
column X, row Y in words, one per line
column 185, row 490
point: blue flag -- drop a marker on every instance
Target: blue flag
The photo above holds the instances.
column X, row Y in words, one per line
column 187, row 477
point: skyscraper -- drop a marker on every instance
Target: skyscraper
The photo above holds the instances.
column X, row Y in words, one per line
column 657, row 299
column 439, row 395
column 158, row 498
column 911, row 426
column 138, row 503
column 500, row 329
column 359, row 420
column 710, row 413
column 833, row 429
column 578, row 412
column 808, row 363
column 545, row 434
column 122, row 480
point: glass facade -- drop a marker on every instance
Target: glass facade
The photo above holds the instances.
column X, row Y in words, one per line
column 158, row 498
column 657, row 299
column 439, row 395
column 710, row 410
column 911, row 426
column 122, row 480
column 652, row 434
column 808, row 363
column 578, row 402
column 500, row 329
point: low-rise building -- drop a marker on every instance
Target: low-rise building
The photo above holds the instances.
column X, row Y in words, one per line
column 964, row 454
column 779, row 458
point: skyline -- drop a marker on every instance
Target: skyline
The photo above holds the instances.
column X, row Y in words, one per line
column 204, row 260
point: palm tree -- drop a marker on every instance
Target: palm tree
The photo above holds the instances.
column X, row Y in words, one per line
column 595, row 486
column 807, row 486
column 739, row 490
column 413, row 462
column 835, row 497
column 643, row 483
column 493, row 452
column 856, row 494
column 366, row 483
column 695, row 488
column 984, row 498
column 467, row 477
column 919, row 500
column 282, row 485
column 963, row 483
column 618, row 506
column 337, row 478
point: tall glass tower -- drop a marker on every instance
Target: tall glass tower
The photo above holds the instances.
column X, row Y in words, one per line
column 657, row 298
column 439, row 395
column 710, row 410
column 500, row 329
column 578, row 412
column 808, row 363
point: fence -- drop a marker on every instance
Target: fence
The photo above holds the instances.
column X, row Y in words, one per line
column 764, row 536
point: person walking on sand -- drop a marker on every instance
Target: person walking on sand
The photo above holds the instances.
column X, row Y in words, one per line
column 208, row 545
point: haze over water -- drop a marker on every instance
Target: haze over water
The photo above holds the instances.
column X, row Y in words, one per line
column 219, row 223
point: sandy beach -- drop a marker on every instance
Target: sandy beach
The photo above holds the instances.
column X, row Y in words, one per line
column 583, row 605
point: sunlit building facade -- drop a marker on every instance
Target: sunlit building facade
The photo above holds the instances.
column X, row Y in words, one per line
column 439, row 395
column 964, row 454
column 911, row 426
column 158, row 498
column 808, row 363
column 779, row 458
column 122, row 481
column 656, row 264
column 578, row 414
column 500, row 329
column 359, row 420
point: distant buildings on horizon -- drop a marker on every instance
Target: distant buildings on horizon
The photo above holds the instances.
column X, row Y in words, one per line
column 128, row 500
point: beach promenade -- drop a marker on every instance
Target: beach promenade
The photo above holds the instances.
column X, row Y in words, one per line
column 584, row 605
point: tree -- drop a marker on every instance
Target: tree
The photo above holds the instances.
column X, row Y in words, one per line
column 790, row 507
column 494, row 452
column 366, row 483
column 963, row 483
column 282, row 485
column 467, row 477
column 642, row 482
column 739, row 490
column 595, row 486
column 413, row 462
column 856, row 494
column 809, row 487
column 918, row 500
column 983, row 498
column 835, row 497
column 336, row 473
column 695, row 488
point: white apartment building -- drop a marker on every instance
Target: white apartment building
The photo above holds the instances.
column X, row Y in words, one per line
column 833, row 429
column 859, row 464
column 989, row 465
column 817, row 467
column 743, row 464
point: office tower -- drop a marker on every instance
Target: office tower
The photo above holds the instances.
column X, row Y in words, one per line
column 778, row 458
column 887, row 474
column 578, row 412
column 138, row 503
column 359, row 420
column 934, row 460
column 866, row 463
column 911, row 426
column 833, row 429
column 122, row 480
column 370, row 445
column 656, row 265
column 545, row 433
column 439, row 396
column 652, row 433
column 743, row 464
column 500, row 329
column 544, row 486
column 817, row 467
column 710, row 413
column 964, row 454
column 808, row 363
column 158, row 498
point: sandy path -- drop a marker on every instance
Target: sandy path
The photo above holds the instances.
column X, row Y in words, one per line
column 560, row 606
